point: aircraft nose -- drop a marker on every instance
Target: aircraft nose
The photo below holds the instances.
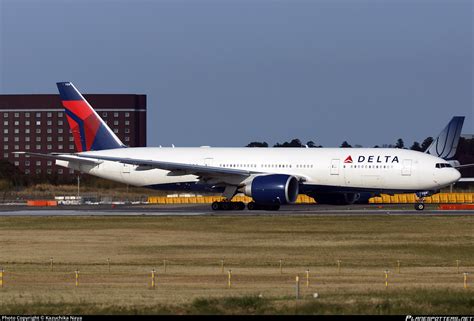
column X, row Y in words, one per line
column 456, row 175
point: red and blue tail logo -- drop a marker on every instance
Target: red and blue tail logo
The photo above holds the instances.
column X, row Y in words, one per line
column 89, row 130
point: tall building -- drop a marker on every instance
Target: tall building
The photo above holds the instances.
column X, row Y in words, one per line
column 37, row 123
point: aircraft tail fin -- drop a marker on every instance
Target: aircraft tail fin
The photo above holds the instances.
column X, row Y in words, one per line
column 89, row 130
column 445, row 145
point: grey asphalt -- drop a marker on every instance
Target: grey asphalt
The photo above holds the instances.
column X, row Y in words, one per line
column 204, row 209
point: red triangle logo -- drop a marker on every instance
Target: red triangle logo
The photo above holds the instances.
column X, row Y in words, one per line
column 348, row 159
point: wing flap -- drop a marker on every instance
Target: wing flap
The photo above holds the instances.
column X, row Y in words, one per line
column 64, row 157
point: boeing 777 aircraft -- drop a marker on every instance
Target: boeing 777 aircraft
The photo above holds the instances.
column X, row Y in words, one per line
column 271, row 176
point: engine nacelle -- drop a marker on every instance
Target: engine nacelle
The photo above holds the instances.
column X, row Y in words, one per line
column 273, row 189
column 336, row 198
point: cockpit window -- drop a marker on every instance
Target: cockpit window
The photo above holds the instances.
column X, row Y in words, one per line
column 443, row 165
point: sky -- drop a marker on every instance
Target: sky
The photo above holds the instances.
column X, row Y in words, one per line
column 229, row 72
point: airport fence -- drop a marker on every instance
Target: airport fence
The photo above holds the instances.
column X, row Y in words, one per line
column 440, row 198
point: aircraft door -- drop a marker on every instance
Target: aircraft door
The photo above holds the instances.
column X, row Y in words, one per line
column 335, row 167
column 406, row 167
column 208, row 161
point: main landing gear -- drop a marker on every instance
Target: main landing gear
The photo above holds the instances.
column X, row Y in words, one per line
column 228, row 206
column 240, row 206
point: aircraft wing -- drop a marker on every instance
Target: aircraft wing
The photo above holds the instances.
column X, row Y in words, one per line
column 177, row 168
column 64, row 157
column 463, row 166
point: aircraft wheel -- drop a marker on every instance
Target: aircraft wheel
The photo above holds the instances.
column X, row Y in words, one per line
column 226, row 206
column 419, row 206
column 251, row 206
column 216, row 206
column 238, row 206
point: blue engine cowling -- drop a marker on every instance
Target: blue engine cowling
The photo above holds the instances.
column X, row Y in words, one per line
column 273, row 189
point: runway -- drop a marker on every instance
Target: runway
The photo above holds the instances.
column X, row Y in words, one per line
column 205, row 210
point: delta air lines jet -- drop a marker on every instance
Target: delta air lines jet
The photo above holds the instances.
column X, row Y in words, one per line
column 271, row 176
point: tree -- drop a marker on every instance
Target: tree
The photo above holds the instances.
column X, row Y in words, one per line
column 416, row 146
column 426, row 143
column 400, row 143
column 345, row 144
column 294, row 143
column 257, row 144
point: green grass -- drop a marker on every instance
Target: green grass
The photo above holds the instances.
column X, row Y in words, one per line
column 427, row 246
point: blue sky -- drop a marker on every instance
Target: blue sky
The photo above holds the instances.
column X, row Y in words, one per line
column 224, row 73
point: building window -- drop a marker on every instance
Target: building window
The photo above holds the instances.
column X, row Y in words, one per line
column 5, row 115
column 127, row 130
column 49, row 115
column 38, row 171
column 17, row 156
column 27, row 114
column 17, row 131
column 116, row 130
column 17, row 147
column 115, row 114
column 60, row 171
column 48, row 171
column 127, row 139
column 38, row 115
column 60, row 130
column 38, row 123
column 60, row 122
column 17, row 123
column 127, row 123
column 38, row 138
column 60, row 138
column 17, row 139
column 5, row 131
column 5, row 139
column 50, row 163
column 38, row 146
column 49, row 130
column 49, row 147
column 27, row 131
column 38, row 130
column 5, row 122
column 127, row 114
column 71, row 138
column 27, row 123
column 104, row 114
column 71, row 171
column 17, row 115
column 71, row 147
column 27, row 138
column 60, row 146
column 17, row 163
column 116, row 122
column 27, row 163
column 27, row 146
column 38, row 163
column 5, row 155
column 49, row 123
column 60, row 114
column 27, row 171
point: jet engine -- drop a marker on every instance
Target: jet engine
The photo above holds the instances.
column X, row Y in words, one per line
column 273, row 189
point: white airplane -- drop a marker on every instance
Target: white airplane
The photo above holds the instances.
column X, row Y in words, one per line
column 271, row 176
